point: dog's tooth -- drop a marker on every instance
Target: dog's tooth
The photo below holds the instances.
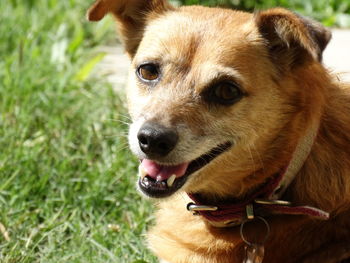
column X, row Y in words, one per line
column 171, row 180
column 142, row 172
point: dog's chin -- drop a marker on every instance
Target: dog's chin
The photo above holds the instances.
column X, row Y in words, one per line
column 174, row 178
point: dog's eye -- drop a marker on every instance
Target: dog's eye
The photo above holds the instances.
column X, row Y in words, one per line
column 148, row 72
column 226, row 93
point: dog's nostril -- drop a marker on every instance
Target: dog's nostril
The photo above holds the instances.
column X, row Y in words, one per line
column 156, row 140
column 143, row 140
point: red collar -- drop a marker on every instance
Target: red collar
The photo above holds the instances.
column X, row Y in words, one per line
column 259, row 203
column 265, row 201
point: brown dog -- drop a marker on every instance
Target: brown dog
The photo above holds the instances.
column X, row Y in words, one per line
column 232, row 113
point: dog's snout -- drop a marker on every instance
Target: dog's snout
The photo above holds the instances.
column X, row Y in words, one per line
column 156, row 140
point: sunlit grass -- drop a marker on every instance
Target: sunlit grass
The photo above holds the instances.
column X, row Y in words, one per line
column 65, row 171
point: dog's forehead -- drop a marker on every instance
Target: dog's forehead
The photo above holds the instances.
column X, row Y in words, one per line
column 198, row 33
column 202, row 44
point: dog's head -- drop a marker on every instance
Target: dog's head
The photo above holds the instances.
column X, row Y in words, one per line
column 215, row 95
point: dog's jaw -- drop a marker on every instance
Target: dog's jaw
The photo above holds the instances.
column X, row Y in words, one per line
column 193, row 153
column 161, row 181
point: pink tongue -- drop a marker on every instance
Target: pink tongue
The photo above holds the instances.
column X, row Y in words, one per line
column 161, row 172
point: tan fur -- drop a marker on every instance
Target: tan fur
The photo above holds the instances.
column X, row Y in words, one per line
column 275, row 56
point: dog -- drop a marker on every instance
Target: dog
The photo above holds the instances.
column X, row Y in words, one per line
column 242, row 133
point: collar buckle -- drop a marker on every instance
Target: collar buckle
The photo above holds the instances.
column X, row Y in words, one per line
column 196, row 208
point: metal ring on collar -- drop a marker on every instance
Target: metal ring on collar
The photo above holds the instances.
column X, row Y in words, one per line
column 267, row 230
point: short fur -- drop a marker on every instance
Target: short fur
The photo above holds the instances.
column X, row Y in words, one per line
column 276, row 56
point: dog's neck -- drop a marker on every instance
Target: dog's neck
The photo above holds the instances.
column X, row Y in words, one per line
column 301, row 152
column 328, row 185
column 233, row 212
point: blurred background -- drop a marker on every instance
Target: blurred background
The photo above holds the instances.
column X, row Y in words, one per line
column 330, row 12
column 67, row 179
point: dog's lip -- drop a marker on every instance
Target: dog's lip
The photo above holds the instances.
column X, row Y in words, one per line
column 160, row 172
column 155, row 187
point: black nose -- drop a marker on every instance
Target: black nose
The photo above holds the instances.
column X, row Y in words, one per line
column 156, row 140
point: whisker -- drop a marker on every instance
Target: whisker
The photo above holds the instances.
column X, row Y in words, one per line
column 119, row 135
column 122, row 147
column 120, row 121
column 125, row 116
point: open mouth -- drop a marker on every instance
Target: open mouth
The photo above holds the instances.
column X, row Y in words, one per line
column 161, row 181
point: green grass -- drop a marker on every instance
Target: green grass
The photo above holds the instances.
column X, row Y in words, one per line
column 65, row 171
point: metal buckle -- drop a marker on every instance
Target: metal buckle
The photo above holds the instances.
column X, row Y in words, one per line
column 249, row 209
column 196, row 208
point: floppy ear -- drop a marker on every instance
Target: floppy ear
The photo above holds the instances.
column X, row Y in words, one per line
column 131, row 17
column 292, row 39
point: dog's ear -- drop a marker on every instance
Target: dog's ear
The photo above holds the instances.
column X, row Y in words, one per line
column 131, row 15
column 292, row 39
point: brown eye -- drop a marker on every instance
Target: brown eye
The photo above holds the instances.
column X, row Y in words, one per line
column 226, row 93
column 148, row 72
